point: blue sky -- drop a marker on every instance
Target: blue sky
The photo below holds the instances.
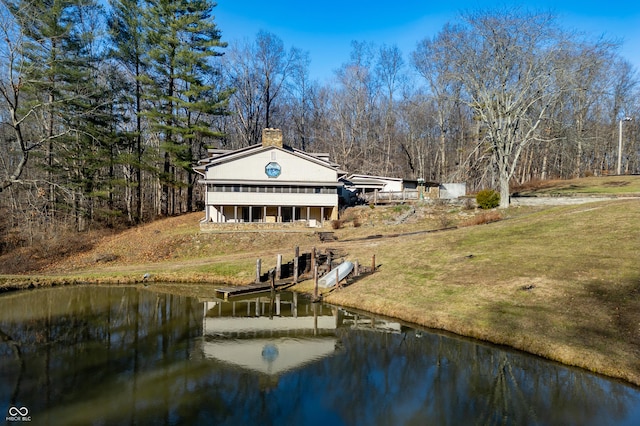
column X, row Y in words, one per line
column 326, row 28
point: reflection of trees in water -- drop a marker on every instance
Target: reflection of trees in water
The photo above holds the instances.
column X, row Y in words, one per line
column 127, row 355
column 17, row 368
column 78, row 343
column 455, row 381
column 383, row 378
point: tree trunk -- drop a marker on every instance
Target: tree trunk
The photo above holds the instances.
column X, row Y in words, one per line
column 503, row 181
column 165, row 186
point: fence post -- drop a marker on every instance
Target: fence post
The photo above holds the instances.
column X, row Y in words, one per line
column 296, row 264
column 313, row 258
column 258, row 265
column 315, row 282
column 279, row 267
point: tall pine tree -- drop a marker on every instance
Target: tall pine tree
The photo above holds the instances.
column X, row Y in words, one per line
column 64, row 101
column 127, row 34
column 183, row 41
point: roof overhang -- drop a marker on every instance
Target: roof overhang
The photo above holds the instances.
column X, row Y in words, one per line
column 270, row 182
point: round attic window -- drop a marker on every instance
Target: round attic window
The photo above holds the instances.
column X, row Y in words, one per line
column 272, row 169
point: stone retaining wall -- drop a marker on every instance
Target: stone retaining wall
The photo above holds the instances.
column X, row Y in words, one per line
column 298, row 226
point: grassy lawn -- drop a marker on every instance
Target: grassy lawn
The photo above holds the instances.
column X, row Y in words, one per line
column 563, row 283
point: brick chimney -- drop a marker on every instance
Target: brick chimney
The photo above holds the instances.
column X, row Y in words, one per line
column 272, row 137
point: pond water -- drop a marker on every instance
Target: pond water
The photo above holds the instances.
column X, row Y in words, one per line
column 128, row 355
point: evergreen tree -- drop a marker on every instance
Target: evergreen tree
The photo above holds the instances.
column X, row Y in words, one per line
column 127, row 34
column 85, row 155
column 183, row 39
column 64, row 101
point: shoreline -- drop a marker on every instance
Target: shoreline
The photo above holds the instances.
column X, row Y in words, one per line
column 342, row 298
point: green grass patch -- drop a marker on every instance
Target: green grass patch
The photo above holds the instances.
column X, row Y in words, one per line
column 224, row 269
column 401, row 208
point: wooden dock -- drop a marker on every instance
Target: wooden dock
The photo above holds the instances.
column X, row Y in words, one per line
column 241, row 290
column 284, row 275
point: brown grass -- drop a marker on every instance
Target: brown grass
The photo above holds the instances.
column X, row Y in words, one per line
column 483, row 218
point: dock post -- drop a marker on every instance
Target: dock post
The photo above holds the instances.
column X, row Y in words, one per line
column 279, row 267
column 296, row 264
column 315, row 282
column 373, row 263
column 313, row 259
column 356, row 269
column 258, row 264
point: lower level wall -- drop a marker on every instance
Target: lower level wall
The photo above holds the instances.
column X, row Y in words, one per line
column 269, row 214
column 298, row 226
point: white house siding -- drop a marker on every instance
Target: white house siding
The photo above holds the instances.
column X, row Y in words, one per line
column 240, row 190
column 451, row 191
column 252, row 168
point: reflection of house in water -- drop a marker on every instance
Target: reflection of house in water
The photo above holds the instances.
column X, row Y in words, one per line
column 273, row 335
column 269, row 336
column 363, row 322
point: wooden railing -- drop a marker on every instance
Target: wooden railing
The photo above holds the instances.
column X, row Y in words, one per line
column 379, row 197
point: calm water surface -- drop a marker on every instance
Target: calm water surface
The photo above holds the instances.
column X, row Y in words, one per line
column 128, row 355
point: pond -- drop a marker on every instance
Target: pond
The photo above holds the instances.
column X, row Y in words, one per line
column 129, row 355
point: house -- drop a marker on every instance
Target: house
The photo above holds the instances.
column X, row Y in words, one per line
column 357, row 188
column 269, row 183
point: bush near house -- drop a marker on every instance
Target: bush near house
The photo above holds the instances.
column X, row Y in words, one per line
column 488, row 199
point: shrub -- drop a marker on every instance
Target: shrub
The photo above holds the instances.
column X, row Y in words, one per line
column 337, row 224
column 445, row 221
column 469, row 204
column 488, row 199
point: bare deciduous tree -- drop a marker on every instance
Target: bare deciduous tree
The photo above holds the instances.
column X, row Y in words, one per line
column 506, row 62
column 432, row 61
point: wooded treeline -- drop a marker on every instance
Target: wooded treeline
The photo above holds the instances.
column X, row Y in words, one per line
column 102, row 119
